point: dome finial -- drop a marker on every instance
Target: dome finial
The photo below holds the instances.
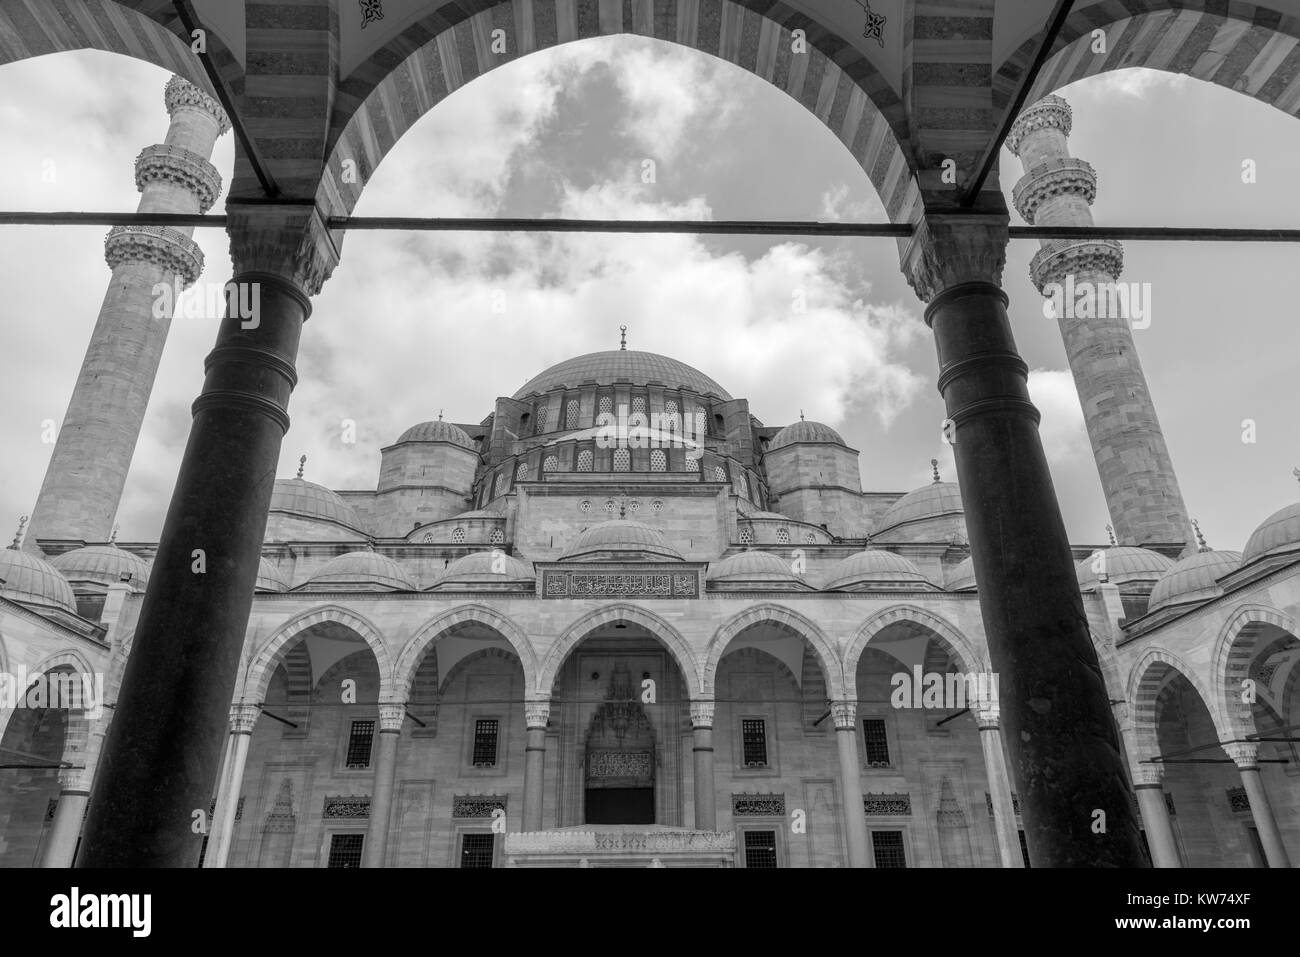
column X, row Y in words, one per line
column 934, row 464
column 301, row 462
column 1111, row 532
column 1296, row 473
column 1200, row 539
column 622, row 340
column 801, row 415
column 440, row 415
column 18, row 535
column 622, row 507
column 112, row 536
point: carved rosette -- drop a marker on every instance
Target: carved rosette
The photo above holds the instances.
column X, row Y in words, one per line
column 180, row 92
column 1061, row 258
column 845, row 714
column 1054, row 177
column 289, row 241
column 185, row 168
column 948, row 249
column 1051, row 112
column 537, row 714
column 702, row 713
column 1245, row 754
column 391, row 717
column 243, row 718
column 160, row 245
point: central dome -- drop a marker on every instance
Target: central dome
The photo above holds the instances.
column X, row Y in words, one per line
column 620, row 540
column 622, row 365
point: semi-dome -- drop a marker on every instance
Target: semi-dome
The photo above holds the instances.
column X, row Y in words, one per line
column 876, row 568
column 1193, row 579
column 360, row 570
column 268, row 579
column 31, row 580
column 1278, row 533
column 936, row 500
column 103, row 565
column 753, row 567
column 485, row 568
column 622, row 365
column 303, row 499
column 1123, row 565
column 804, row 431
column 622, row 540
column 961, row 577
column 438, row 431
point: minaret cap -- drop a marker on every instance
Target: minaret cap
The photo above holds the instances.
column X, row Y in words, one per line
column 1050, row 111
column 181, row 92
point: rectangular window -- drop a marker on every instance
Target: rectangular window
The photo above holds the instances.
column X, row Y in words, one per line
column 1024, row 846
column 476, row 850
column 888, row 848
column 345, row 850
column 876, row 741
column 753, row 734
column 359, row 743
column 760, row 849
column 485, row 743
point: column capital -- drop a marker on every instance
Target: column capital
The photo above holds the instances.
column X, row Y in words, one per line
column 1245, row 754
column 243, row 718
column 180, row 92
column 391, row 717
column 537, row 713
column 1147, row 775
column 951, row 248
column 1051, row 112
column 287, row 240
column 702, row 712
column 845, row 714
column 987, row 716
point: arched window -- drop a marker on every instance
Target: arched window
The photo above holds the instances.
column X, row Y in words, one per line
column 552, row 464
column 607, row 405
column 701, row 421
column 672, row 417
column 543, row 414
column 501, row 483
column 742, row 486
column 719, row 473
column 810, row 539
column 746, row 535
column 521, row 472
column 571, row 414
column 658, row 460
column 638, row 404
column 783, row 536
column 458, row 536
column 584, row 460
column 497, row 536
column 694, row 460
column 622, row 460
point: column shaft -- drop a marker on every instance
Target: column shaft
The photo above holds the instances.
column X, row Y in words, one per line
column 1262, row 811
column 855, row 821
column 534, row 776
column 1160, row 830
column 243, row 718
column 1004, row 808
column 706, row 801
column 61, row 845
column 381, row 799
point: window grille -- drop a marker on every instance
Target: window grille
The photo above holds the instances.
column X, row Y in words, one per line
column 360, row 739
column 760, row 849
column 622, row 460
column 658, row 460
column 485, row 743
column 876, row 741
column 476, row 850
column 584, row 460
column 345, row 850
column 753, row 732
column 888, row 848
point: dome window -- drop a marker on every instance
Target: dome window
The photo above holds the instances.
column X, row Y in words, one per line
column 521, row 472
column 609, row 505
column 606, row 405
column 701, row 421
column 622, row 460
column 810, row 539
column 746, row 535
column 658, row 460
column 742, row 486
column 584, row 460
column 638, row 404
column 695, row 462
column 571, row 414
column 552, row 464
column 584, row 506
column 500, row 484
column 656, row 506
column 497, row 537
column 458, row 536
column 783, row 536
column 719, row 473
column 542, row 415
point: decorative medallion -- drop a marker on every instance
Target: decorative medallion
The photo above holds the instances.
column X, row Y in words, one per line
column 874, row 26
column 584, row 506
column 657, row 506
column 371, row 10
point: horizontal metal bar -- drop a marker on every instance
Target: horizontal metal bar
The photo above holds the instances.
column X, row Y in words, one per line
column 750, row 227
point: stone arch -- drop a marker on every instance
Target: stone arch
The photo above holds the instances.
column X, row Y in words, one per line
column 1240, row 45
column 1235, row 649
column 970, row 657
column 787, row 618
column 1147, row 678
column 65, row 658
column 266, row 659
column 409, row 659
column 441, row 52
column 464, row 664
column 661, row 630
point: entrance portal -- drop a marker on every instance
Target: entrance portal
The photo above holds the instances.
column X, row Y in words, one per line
column 620, row 758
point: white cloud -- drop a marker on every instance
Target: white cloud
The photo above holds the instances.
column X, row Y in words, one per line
column 1137, row 82
column 1065, row 437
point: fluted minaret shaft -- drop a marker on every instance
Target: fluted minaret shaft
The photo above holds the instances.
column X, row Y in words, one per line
column 84, row 480
column 1137, row 474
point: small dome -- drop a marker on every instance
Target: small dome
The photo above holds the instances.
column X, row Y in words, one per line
column 1193, row 579
column 621, row 539
column 492, row 568
column 268, row 579
column 804, row 431
column 103, row 565
column 931, row 501
column 304, row 499
column 752, row 566
column 31, row 580
column 357, row 570
column 438, row 431
column 1124, row 564
column 1280, row 532
column 876, row 567
column 961, row 577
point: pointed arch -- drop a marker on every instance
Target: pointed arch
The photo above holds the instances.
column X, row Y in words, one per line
column 1234, row 651
column 660, row 629
column 787, row 619
column 65, row 658
column 266, row 659
column 1147, row 678
column 408, row 662
column 972, row 658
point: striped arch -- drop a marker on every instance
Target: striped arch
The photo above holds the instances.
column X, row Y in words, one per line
column 408, row 662
column 448, row 48
column 665, row 633
column 970, row 657
column 1237, row 647
column 1147, row 679
column 1242, row 46
column 271, row 653
column 786, row 618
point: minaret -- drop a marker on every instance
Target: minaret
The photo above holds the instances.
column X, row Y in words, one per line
column 84, row 480
column 1136, row 472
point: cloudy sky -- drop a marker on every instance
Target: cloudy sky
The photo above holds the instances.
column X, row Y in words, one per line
column 407, row 325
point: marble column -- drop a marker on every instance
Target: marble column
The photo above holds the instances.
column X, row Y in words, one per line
column 995, row 766
column 537, row 715
column 391, row 717
column 80, row 749
column 1245, row 754
column 706, row 799
column 1066, row 759
column 163, row 748
column 243, row 719
column 1149, row 785
column 855, row 817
